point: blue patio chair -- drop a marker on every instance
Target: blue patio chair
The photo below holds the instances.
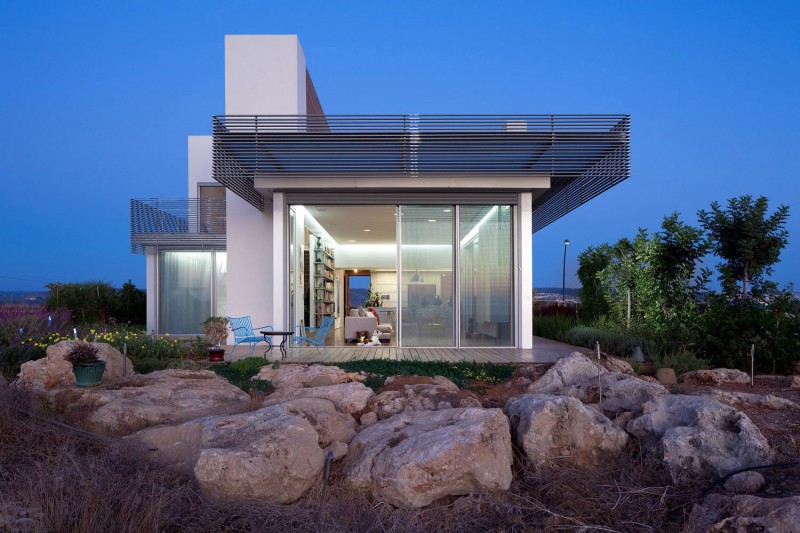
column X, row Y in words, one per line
column 318, row 337
column 243, row 331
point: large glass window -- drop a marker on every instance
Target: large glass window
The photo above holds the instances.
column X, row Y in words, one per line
column 486, row 276
column 426, row 283
column 188, row 282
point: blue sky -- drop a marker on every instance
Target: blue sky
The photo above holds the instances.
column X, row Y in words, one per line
column 97, row 99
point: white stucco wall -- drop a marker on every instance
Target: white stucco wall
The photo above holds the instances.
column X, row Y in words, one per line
column 264, row 75
column 200, row 163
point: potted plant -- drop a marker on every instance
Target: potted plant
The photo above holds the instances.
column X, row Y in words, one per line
column 215, row 329
column 373, row 298
column 86, row 365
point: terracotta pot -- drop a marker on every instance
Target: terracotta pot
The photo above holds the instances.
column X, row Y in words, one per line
column 216, row 354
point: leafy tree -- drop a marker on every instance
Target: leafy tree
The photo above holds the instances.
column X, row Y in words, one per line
column 592, row 262
column 748, row 240
column 678, row 281
column 131, row 305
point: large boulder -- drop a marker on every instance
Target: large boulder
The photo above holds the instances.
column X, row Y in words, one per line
column 297, row 376
column 696, row 436
column 140, row 401
column 330, row 424
column 744, row 513
column 714, row 377
column 555, row 427
column 620, row 392
column 268, row 455
column 570, row 370
column 347, row 397
column 417, row 457
column 54, row 371
column 440, row 394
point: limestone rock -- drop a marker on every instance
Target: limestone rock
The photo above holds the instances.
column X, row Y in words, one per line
column 140, row 401
column 368, row 418
column 666, row 376
column 268, row 455
column 787, row 382
column 570, row 370
column 747, row 482
column 296, row 376
column 348, row 398
column 339, row 450
column 699, row 436
column 416, row 457
column 556, row 427
column 441, row 394
column 718, row 513
column 620, row 392
column 55, row 371
column 615, row 364
column 330, row 424
column 714, row 377
column 746, row 399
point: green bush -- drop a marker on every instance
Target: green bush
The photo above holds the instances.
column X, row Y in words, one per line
column 553, row 326
column 611, row 342
column 461, row 373
column 240, row 372
column 12, row 357
column 681, row 361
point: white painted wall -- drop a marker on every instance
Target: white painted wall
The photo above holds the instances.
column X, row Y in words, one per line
column 264, row 75
column 525, row 246
column 349, row 256
column 200, row 163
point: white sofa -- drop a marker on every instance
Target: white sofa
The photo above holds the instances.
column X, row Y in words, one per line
column 354, row 324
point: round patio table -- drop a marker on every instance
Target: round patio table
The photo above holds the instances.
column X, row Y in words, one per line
column 271, row 333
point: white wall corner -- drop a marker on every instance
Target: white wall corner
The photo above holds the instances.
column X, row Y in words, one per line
column 151, row 276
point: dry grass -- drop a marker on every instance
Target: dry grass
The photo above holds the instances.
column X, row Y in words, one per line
column 60, row 479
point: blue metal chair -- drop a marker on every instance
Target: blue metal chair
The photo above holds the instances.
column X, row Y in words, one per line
column 318, row 338
column 243, row 331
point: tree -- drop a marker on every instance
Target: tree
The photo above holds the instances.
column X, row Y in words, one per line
column 592, row 262
column 747, row 240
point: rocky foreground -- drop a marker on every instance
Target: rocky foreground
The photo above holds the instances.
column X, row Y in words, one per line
column 417, row 442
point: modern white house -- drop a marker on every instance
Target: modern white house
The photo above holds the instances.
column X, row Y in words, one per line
column 289, row 211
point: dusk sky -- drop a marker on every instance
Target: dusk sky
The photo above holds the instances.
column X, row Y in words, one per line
column 97, row 100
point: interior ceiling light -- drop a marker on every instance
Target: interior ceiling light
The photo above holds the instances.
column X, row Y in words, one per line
column 431, row 220
column 446, row 210
column 367, row 230
column 351, row 240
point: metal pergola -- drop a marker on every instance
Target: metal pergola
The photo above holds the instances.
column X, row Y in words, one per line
column 583, row 155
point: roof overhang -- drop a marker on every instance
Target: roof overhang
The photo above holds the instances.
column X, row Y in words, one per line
column 573, row 157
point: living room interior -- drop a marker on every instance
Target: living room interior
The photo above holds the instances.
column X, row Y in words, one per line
column 344, row 264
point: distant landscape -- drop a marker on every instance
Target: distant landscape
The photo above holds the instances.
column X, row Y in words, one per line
column 23, row 297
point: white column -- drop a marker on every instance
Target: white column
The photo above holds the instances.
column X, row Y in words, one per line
column 525, row 298
column 280, row 290
column 151, row 269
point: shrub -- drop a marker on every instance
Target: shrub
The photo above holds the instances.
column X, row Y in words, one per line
column 19, row 322
column 240, row 372
column 680, row 361
column 461, row 373
column 82, row 353
column 553, row 326
column 611, row 342
column 12, row 357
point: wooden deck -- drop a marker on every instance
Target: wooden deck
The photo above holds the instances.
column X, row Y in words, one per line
column 543, row 351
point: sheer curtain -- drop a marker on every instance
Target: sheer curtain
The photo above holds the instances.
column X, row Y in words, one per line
column 486, row 257
column 185, row 291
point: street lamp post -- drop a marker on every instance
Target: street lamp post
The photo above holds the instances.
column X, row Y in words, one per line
column 564, row 273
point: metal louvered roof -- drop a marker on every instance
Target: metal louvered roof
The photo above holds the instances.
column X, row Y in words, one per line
column 583, row 155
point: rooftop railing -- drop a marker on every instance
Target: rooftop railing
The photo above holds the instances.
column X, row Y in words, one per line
column 177, row 223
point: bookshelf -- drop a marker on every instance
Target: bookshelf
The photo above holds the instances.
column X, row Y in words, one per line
column 323, row 287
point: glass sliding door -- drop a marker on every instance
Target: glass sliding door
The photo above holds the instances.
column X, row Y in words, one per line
column 426, row 281
column 486, row 280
